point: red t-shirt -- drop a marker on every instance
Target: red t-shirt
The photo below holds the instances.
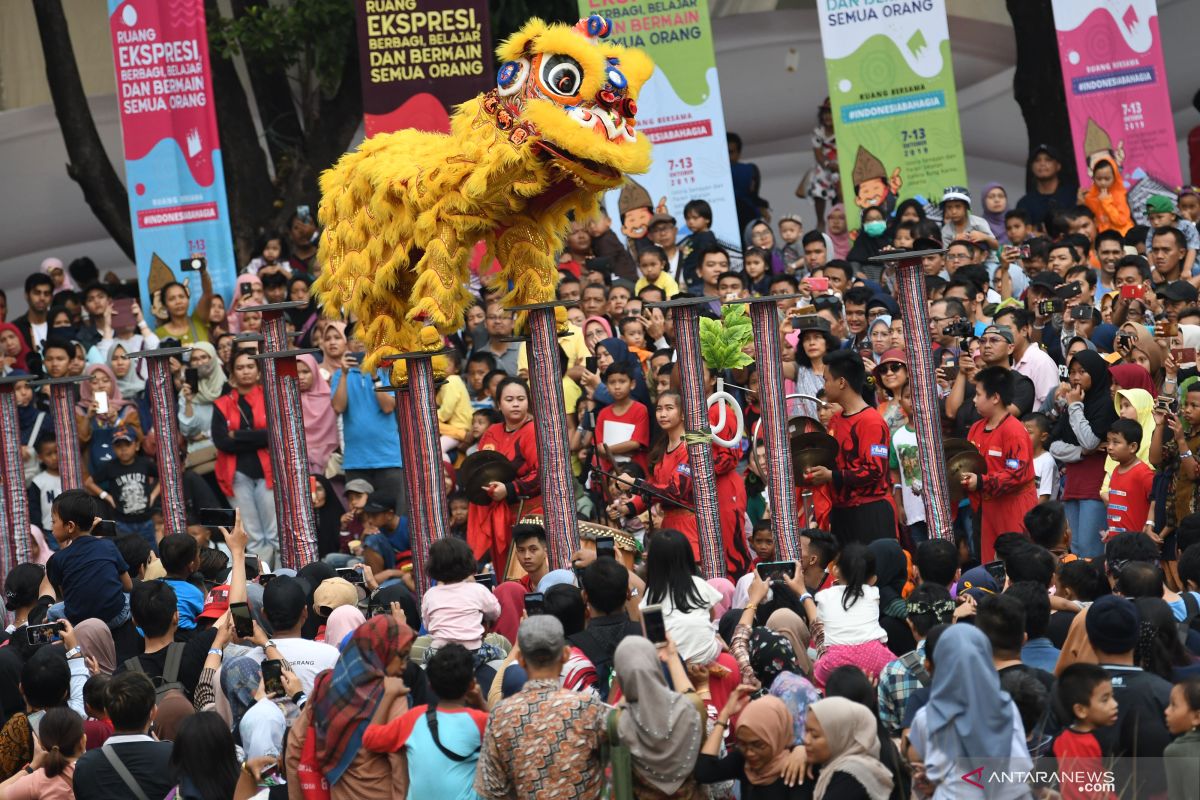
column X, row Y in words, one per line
column 1129, row 498
column 1009, row 488
column 862, row 473
column 1078, row 755
column 637, row 416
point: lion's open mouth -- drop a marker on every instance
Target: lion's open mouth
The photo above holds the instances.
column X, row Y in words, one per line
column 578, row 163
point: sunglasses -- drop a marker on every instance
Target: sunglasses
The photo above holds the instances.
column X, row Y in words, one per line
column 891, row 366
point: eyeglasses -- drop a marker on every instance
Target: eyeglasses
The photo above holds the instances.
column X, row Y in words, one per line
column 888, row 367
column 994, row 340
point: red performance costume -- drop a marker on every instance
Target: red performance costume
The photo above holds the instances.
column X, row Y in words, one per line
column 732, row 492
column 862, row 485
column 672, row 476
column 490, row 527
column 1008, row 490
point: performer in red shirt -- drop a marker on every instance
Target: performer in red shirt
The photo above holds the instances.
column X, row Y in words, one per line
column 671, row 474
column 1009, row 488
column 862, row 508
column 1131, row 484
column 489, row 527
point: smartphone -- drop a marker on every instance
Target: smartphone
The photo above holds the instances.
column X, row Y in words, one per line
column 486, row 579
column 1123, row 340
column 653, row 625
column 193, row 264
column 269, row 776
column 191, row 376
column 605, row 547
column 48, row 633
column 105, row 527
column 1024, row 251
column 1167, row 328
column 265, row 577
column 243, row 624
column 1165, row 402
column 1082, row 312
column 217, row 517
column 951, row 372
column 1047, row 307
column 589, row 364
column 1131, row 292
column 1068, row 290
column 247, row 289
column 1184, row 356
column 776, row 570
column 101, row 399
column 350, row 574
column 272, row 673
column 820, row 284
column 253, row 565
column 122, row 313
column 996, row 570
column 304, row 214
column 533, row 603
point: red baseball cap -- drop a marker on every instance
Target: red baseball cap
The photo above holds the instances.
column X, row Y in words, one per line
column 216, row 602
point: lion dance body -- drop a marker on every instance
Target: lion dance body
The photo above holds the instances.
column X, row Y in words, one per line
column 402, row 213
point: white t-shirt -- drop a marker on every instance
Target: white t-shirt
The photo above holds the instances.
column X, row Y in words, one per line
column 692, row 631
column 858, row 625
column 906, row 459
column 308, row 659
column 1046, row 470
column 39, row 331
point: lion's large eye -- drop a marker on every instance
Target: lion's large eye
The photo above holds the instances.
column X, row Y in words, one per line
column 562, row 75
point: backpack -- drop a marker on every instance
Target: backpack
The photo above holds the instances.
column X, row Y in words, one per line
column 914, row 664
column 168, row 682
column 1191, row 609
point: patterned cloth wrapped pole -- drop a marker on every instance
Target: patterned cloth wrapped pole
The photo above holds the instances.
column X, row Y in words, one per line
column 785, row 517
column 420, row 446
column 163, row 408
column 686, row 317
column 554, row 457
column 910, row 293
column 15, row 544
column 62, row 410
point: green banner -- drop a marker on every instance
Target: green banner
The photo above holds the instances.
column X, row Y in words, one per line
column 891, row 87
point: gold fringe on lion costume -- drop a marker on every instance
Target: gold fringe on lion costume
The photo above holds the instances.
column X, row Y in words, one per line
column 402, row 213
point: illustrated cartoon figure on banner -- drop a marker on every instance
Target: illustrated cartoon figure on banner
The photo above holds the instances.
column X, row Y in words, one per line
column 872, row 186
column 402, row 213
column 1097, row 145
column 637, row 210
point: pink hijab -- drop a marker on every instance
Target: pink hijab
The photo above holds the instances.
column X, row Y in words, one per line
column 726, row 588
column 320, row 421
column 841, row 242
column 87, row 395
column 602, row 322
column 232, row 317
column 342, row 621
column 511, row 596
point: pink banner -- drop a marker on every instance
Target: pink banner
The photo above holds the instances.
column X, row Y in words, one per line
column 1116, row 87
column 173, row 169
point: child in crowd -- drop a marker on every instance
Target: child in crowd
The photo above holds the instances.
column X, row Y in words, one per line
column 1016, row 225
column 960, row 223
column 791, row 229
column 623, row 426
column 88, row 572
column 454, row 413
column 633, row 333
column 652, row 265
column 907, row 475
column 1183, row 721
column 1045, row 468
column 180, row 557
column 1007, row 491
column 130, row 483
column 1161, row 212
column 1084, row 698
column 1131, row 484
column 1048, row 527
column 756, row 263
column 459, row 506
column 456, row 608
column 46, row 484
column 481, row 420
column 698, row 216
column 97, row 727
column 1106, row 199
column 619, row 488
column 272, row 252
column 849, row 612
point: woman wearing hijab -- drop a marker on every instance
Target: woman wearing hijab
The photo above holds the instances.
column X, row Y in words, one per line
column 1132, row 376
column 1145, row 351
column 968, row 718
column 329, row 514
column 247, row 292
column 891, row 578
column 333, row 347
column 792, row 627
column 14, row 350
column 596, row 330
column 759, row 234
column 320, row 420
column 726, row 588
column 511, row 596
column 96, row 427
column 764, row 750
column 841, row 739
column 196, row 404
column 96, row 641
column 342, row 622
column 838, row 230
column 259, row 720
column 777, row 669
column 995, row 206
column 327, row 737
column 661, row 725
column 1075, row 442
column 872, row 237
column 616, row 350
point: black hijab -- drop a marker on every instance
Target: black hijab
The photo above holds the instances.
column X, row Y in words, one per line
column 329, row 518
column 1098, row 406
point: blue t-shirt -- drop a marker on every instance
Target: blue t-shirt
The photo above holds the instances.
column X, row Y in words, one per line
column 370, row 435
column 190, row 601
column 88, row 571
column 430, row 772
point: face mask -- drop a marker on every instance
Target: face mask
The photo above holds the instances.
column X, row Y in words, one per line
column 875, row 227
column 205, row 370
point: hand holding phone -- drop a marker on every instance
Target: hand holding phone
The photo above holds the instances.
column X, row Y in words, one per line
column 351, row 574
column 243, row 624
column 605, row 547
column 654, row 625
column 272, row 673
column 534, row 604
column 101, row 399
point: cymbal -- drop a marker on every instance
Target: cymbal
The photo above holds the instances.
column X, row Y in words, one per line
column 803, row 424
column 962, row 458
column 814, row 449
column 481, row 468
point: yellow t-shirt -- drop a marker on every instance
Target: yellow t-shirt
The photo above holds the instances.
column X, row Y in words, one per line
column 572, row 344
column 454, row 408
column 664, row 281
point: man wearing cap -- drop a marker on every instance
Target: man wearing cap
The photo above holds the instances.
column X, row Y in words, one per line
column 1113, row 625
column 285, row 606
column 664, row 231
column 996, row 347
column 1176, row 296
column 1049, row 193
column 1029, row 359
column 1162, row 212
column 960, row 223
column 385, row 535
column 544, row 741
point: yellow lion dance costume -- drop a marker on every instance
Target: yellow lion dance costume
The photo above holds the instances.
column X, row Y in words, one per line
column 402, row 213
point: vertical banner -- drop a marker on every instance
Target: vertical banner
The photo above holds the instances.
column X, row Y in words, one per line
column 1116, row 87
column 895, row 113
column 420, row 58
column 173, row 168
column 680, row 112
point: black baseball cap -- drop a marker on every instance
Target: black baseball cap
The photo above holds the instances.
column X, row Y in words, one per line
column 1048, row 279
column 284, row 598
column 1179, row 292
column 378, row 503
column 1048, row 149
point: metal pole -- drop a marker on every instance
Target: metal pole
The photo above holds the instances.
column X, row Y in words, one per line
column 910, row 292
column 62, row 411
column 686, row 317
column 785, row 518
column 549, row 414
column 163, row 407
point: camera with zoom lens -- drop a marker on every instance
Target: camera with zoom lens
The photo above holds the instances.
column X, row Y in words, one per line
column 959, row 330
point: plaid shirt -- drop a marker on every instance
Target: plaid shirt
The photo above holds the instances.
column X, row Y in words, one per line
column 896, row 683
column 543, row 742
